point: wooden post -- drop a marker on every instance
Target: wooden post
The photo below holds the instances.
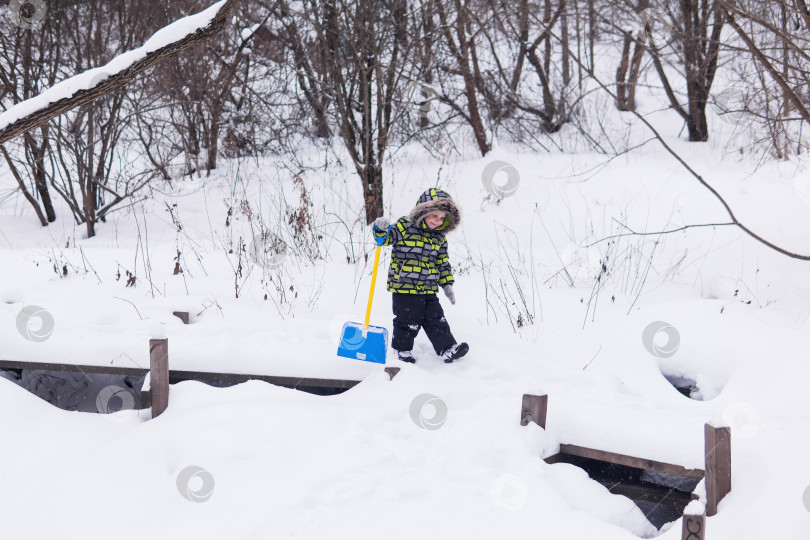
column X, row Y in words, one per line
column 694, row 527
column 182, row 315
column 392, row 372
column 534, row 409
column 159, row 375
column 718, row 465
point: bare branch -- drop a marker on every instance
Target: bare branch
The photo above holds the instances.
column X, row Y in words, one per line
column 697, row 176
column 118, row 80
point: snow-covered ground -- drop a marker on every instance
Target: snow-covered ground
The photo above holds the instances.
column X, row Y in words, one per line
column 269, row 462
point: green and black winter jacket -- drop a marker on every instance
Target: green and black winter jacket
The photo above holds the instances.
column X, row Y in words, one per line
column 419, row 261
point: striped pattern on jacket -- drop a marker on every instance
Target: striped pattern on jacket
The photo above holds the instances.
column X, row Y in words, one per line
column 419, row 260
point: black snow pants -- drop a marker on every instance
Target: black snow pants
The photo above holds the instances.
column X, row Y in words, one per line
column 415, row 311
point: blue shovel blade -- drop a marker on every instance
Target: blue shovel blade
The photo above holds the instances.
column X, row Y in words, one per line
column 360, row 343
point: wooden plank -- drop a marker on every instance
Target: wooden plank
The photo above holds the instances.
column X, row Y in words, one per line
column 182, row 315
column 630, row 461
column 159, row 375
column 534, row 409
column 694, row 527
column 637, row 489
column 47, row 366
column 556, row 458
column 718, row 465
column 176, row 375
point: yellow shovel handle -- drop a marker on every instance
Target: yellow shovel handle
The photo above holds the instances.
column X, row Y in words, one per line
column 373, row 281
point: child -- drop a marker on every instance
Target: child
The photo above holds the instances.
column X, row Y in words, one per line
column 419, row 266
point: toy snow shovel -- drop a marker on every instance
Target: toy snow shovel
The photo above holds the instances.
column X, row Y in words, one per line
column 361, row 341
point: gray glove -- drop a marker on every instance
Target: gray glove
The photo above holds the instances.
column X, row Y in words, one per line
column 382, row 223
column 448, row 292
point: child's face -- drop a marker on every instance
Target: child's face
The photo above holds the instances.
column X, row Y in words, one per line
column 434, row 219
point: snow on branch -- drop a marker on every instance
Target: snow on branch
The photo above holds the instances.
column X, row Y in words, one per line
column 97, row 82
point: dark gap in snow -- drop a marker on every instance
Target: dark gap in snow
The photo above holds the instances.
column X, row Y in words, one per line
column 80, row 391
column 686, row 386
column 105, row 393
column 661, row 497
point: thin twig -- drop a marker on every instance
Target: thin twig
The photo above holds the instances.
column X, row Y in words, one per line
column 592, row 359
column 656, row 233
column 133, row 305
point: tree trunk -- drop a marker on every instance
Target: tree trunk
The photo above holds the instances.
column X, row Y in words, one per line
column 426, row 56
column 703, row 50
column 626, row 84
column 213, row 142
column 475, row 116
column 320, row 123
column 635, row 71
column 566, row 60
column 476, row 121
column 591, row 34
column 695, row 121
column 372, row 192
column 37, row 153
column 307, row 74
column 20, row 182
column 621, row 75
column 461, row 53
column 699, row 53
column 781, row 139
column 90, row 191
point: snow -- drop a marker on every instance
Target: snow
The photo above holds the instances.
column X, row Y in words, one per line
column 695, row 508
column 354, row 464
column 248, row 32
column 437, row 451
column 157, row 331
column 92, row 77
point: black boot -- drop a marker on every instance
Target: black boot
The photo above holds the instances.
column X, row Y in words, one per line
column 455, row 352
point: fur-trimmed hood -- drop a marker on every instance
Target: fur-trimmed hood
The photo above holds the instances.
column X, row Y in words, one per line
column 436, row 200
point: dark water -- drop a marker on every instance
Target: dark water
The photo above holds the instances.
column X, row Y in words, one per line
column 661, row 497
column 80, row 391
column 686, row 386
column 104, row 393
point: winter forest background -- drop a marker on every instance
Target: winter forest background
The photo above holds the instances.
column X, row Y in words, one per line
column 367, row 77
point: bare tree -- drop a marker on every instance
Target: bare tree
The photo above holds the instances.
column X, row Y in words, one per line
column 520, row 54
column 200, row 83
column 629, row 68
column 91, row 32
column 30, row 61
column 552, row 112
column 695, row 37
column 86, row 138
column 368, row 49
column 308, row 59
column 456, row 21
column 776, row 38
